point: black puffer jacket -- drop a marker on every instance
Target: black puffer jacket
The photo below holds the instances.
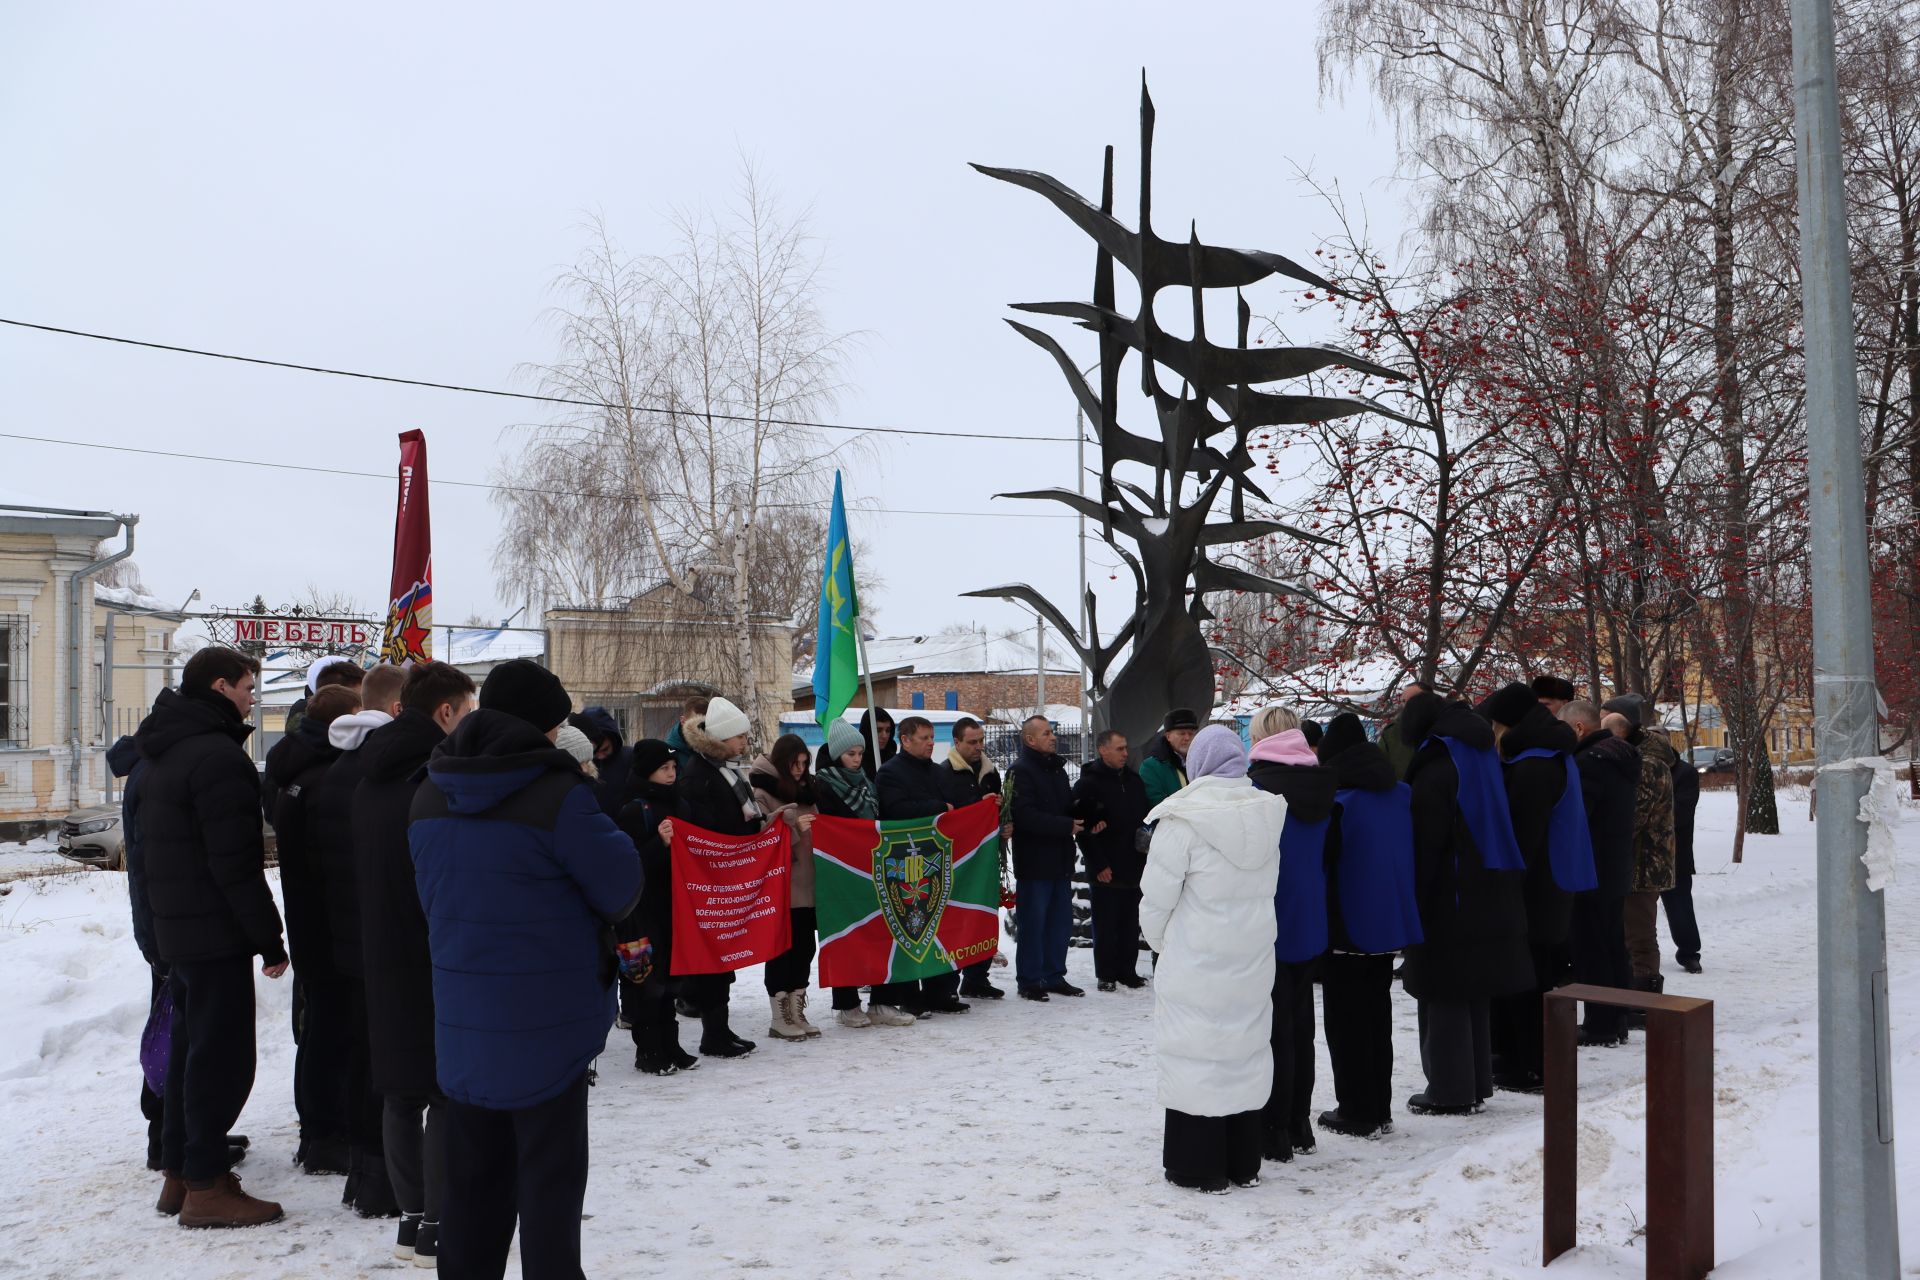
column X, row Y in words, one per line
column 1609, row 783
column 393, row 928
column 1475, row 920
column 333, row 838
column 295, row 768
column 1534, row 787
column 200, row 833
column 911, row 788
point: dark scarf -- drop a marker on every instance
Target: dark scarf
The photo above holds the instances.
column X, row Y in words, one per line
column 851, row 788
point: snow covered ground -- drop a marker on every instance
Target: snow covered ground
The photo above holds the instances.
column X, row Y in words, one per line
column 33, row 858
column 1018, row 1140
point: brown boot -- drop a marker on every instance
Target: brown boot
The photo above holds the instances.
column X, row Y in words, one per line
column 221, row 1203
column 173, row 1194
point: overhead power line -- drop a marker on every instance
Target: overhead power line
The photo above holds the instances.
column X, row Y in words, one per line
column 511, row 488
column 533, row 396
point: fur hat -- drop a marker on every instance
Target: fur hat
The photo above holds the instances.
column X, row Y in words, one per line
column 1343, row 732
column 1180, row 718
column 524, row 688
column 1508, row 703
column 574, row 743
column 842, row 738
column 724, row 720
column 1554, row 687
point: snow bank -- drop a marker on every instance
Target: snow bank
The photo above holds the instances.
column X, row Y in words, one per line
column 1020, row 1140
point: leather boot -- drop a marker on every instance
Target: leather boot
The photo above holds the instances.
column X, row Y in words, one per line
column 717, row 1039
column 780, row 1024
column 797, row 1010
column 221, row 1203
column 173, row 1194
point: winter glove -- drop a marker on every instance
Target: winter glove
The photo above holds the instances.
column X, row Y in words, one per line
column 636, row 960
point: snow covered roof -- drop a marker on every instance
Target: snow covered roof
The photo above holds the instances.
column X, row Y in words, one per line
column 128, row 598
column 964, row 653
column 471, row 645
column 1064, row 714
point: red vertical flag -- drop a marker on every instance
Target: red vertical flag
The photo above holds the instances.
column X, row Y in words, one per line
column 409, row 635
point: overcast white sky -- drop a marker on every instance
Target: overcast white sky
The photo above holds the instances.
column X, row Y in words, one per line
column 391, row 188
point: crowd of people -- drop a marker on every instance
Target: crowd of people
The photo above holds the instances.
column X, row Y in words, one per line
column 477, row 888
column 1498, row 850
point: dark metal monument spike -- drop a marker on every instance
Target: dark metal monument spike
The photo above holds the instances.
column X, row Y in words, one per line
column 1200, row 451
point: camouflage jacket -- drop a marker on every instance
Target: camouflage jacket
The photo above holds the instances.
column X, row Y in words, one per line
column 1653, row 815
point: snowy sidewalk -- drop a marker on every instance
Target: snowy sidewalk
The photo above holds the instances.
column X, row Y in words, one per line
column 1019, row 1139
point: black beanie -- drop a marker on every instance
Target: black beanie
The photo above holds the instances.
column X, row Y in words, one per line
column 527, row 690
column 648, row 755
column 1554, row 687
column 1630, row 705
column 1343, row 731
column 1311, row 731
column 1507, row 704
column 1180, row 718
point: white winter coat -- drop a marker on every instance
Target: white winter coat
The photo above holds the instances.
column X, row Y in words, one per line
column 1206, row 905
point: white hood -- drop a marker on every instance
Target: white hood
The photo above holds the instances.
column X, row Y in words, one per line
column 1231, row 814
column 348, row 732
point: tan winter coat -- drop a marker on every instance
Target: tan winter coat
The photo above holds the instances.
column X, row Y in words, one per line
column 802, row 840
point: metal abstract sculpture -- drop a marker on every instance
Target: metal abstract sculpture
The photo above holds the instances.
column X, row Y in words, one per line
column 1195, row 459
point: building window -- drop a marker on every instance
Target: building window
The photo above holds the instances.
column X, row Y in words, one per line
column 919, row 702
column 13, row 680
column 953, row 699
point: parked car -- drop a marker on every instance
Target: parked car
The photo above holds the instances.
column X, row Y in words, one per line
column 1711, row 759
column 93, row 837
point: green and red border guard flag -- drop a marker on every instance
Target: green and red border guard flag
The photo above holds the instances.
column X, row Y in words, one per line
column 903, row 900
column 409, row 635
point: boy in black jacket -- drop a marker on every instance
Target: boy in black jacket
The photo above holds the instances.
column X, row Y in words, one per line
column 212, row 913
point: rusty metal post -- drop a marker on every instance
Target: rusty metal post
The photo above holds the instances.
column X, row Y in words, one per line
column 1561, row 1149
column 1679, row 1127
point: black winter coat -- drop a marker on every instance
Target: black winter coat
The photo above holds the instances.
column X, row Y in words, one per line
column 1609, row 784
column 1042, row 816
column 708, row 799
column 200, row 833
column 1119, row 799
column 393, row 928
column 652, row 919
column 124, row 759
column 1686, row 798
column 965, row 787
column 1534, row 787
column 912, row 788
column 295, row 768
column 1475, row 920
column 330, row 817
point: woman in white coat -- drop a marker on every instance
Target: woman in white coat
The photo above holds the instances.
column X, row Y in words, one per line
column 1207, row 908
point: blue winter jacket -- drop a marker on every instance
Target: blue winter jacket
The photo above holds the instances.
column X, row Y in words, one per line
column 520, row 876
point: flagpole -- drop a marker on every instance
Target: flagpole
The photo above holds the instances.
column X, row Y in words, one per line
column 866, row 675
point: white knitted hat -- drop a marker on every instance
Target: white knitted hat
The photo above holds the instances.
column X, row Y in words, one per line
column 724, row 720
column 574, row 743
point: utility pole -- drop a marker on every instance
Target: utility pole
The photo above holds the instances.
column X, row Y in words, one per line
column 1039, row 664
column 1859, row 1224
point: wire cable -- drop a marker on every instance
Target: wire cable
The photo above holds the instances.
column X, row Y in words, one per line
column 529, row 395
column 855, row 509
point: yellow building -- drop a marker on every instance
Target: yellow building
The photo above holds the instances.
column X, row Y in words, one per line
column 79, row 661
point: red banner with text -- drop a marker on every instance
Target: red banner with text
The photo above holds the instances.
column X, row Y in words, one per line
column 730, row 898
